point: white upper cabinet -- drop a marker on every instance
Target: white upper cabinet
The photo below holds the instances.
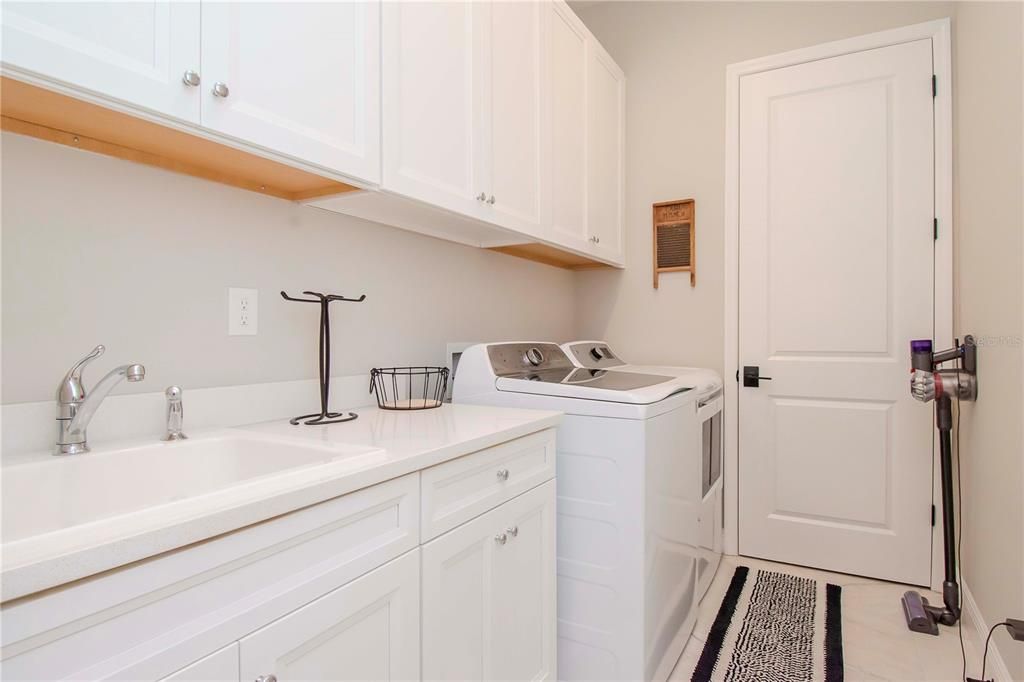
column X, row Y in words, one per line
column 301, row 79
column 567, row 104
column 491, row 123
column 605, row 104
column 137, row 53
column 464, row 119
column 431, row 115
column 516, row 129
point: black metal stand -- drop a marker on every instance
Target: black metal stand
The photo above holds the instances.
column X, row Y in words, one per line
column 324, row 416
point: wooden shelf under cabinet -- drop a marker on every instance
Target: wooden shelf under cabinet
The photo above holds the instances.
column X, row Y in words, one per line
column 37, row 112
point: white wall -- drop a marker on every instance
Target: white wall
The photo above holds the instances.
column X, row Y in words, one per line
column 989, row 256
column 98, row 250
column 674, row 55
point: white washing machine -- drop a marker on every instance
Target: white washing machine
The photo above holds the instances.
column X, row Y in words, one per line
column 708, row 387
column 629, row 494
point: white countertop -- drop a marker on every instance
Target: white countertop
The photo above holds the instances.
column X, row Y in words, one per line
column 393, row 443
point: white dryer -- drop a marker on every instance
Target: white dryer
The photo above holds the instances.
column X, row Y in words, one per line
column 708, row 387
column 628, row 503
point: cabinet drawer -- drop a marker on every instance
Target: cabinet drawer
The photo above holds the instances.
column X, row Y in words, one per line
column 368, row 629
column 220, row 666
column 456, row 491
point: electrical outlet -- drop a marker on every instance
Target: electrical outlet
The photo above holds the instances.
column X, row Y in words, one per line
column 243, row 311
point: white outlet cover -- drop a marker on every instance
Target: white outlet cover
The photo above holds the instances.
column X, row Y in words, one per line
column 243, row 311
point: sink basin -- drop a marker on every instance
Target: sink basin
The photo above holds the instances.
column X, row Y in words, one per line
column 59, row 493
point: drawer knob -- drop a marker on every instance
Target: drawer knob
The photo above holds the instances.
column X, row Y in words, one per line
column 221, row 90
column 190, row 78
column 500, row 538
column 267, row 678
column 490, row 200
column 481, row 196
column 502, row 474
column 513, row 531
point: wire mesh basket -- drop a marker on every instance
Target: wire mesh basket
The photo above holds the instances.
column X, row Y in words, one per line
column 409, row 388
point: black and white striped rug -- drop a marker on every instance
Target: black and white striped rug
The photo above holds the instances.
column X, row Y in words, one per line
column 774, row 627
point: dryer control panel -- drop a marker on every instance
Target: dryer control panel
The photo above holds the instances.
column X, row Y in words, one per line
column 595, row 354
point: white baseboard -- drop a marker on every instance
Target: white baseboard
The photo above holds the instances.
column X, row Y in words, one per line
column 976, row 629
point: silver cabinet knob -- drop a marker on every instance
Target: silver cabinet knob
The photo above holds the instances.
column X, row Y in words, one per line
column 481, row 196
column 266, row 678
column 595, row 239
column 501, row 538
column 513, row 531
column 490, row 200
column 221, row 90
column 502, row 474
column 190, row 78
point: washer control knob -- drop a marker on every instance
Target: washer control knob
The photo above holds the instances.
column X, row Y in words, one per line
column 534, row 356
column 597, row 353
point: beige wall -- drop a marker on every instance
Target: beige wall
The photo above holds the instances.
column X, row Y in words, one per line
column 97, row 250
column 989, row 182
column 674, row 56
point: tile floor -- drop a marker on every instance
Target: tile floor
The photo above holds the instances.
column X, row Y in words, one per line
column 876, row 642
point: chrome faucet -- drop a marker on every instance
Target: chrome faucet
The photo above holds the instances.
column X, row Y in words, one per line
column 175, row 414
column 75, row 409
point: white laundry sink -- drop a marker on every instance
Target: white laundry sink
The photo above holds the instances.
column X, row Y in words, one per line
column 63, row 493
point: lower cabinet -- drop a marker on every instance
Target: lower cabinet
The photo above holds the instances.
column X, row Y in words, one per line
column 343, row 590
column 367, row 629
column 489, row 594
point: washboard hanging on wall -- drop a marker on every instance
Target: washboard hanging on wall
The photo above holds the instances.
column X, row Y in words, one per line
column 674, row 239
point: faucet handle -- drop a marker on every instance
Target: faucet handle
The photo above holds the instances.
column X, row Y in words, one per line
column 175, row 414
column 71, row 389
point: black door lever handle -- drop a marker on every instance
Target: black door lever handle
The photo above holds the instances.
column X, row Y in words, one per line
column 752, row 377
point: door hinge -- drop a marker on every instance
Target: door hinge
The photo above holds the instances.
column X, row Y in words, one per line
column 935, row 85
column 935, row 229
column 933, row 516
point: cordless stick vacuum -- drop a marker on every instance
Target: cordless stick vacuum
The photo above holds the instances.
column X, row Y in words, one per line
column 928, row 383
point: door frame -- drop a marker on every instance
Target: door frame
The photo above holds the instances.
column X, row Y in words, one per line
column 938, row 31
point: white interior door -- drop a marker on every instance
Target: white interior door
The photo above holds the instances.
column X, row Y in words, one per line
column 302, row 79
column 836, row 277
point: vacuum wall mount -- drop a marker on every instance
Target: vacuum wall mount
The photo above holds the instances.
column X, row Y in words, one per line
column 930, row 383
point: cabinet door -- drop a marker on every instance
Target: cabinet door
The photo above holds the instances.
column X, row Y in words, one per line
column 516, row 167
column 488, row 604
column 367, row 629
column 301, row 79
column 220, row 666
column 432, row 120
column 134, row 52
column 605, row 86
column 568, row 110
